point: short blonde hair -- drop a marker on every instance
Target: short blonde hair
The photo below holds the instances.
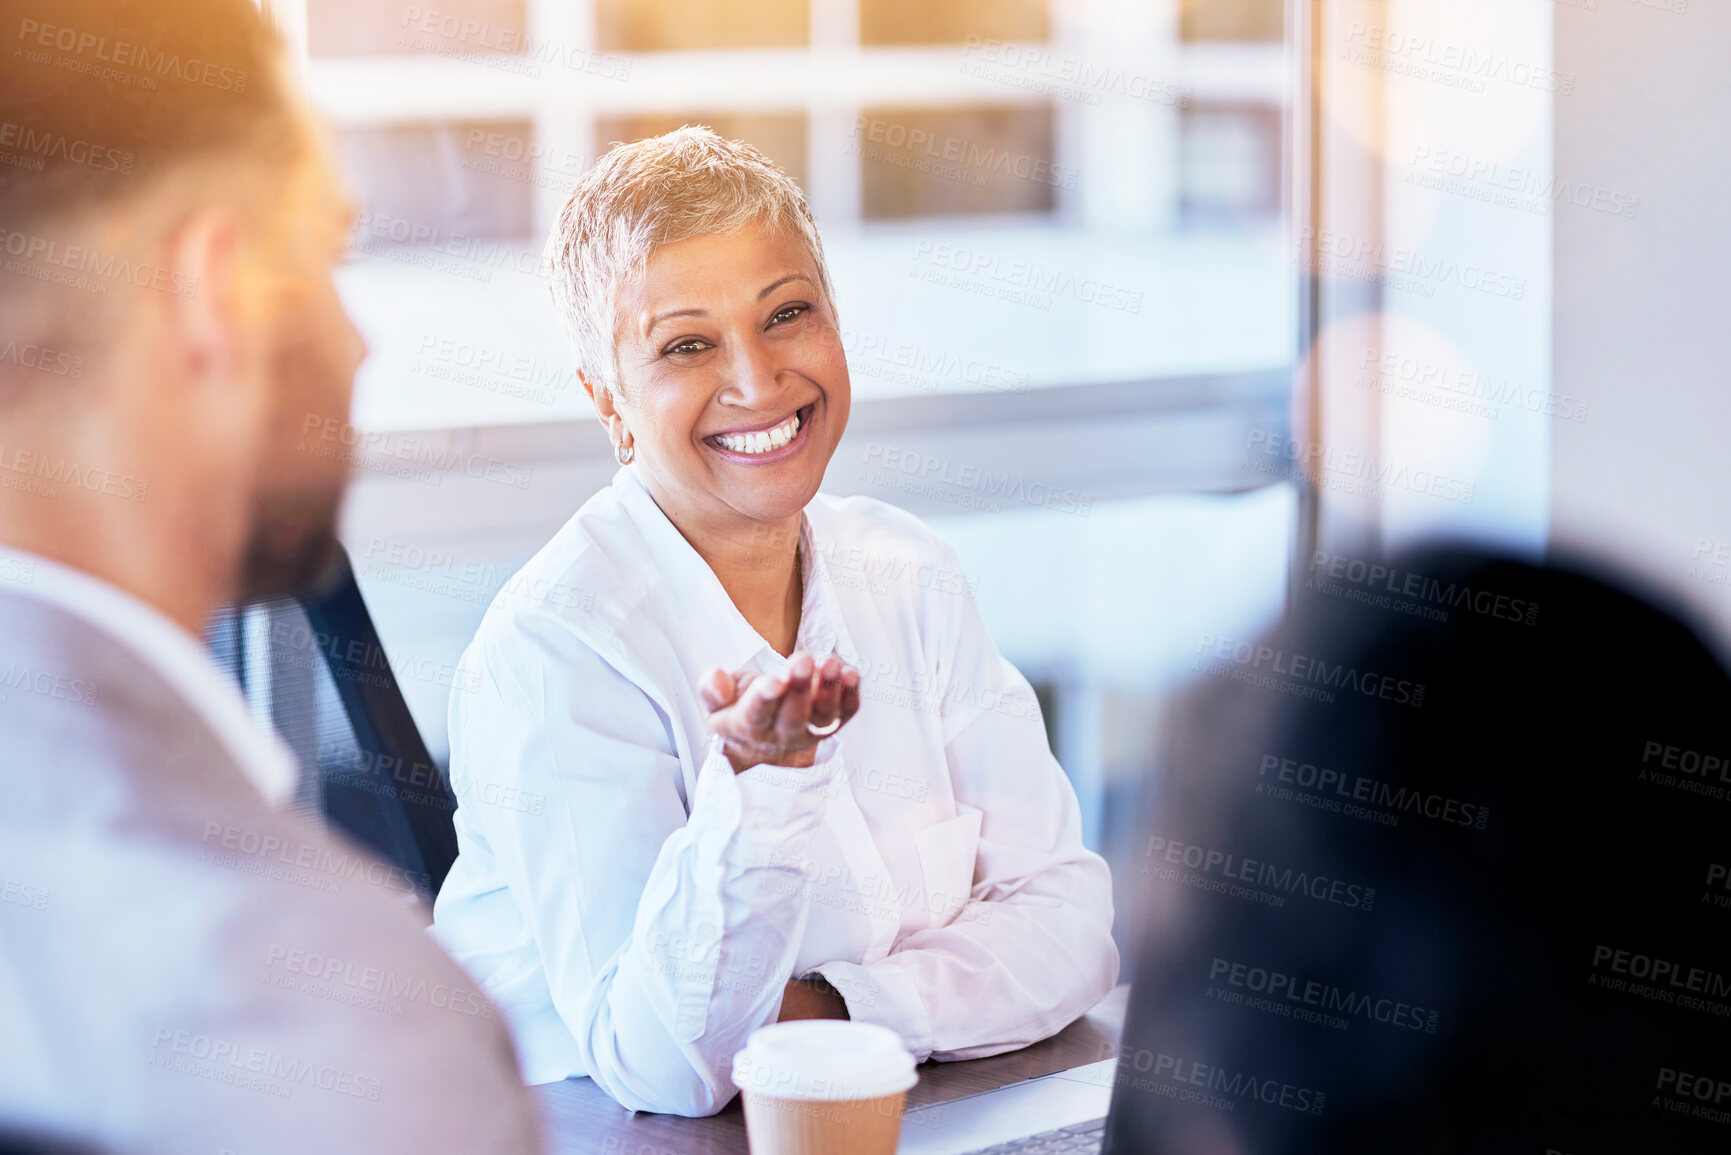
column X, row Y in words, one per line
column 682, row 184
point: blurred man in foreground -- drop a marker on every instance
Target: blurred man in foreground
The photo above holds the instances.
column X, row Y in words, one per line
column 181, row 968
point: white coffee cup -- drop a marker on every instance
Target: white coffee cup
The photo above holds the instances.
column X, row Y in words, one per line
column 823, row 1087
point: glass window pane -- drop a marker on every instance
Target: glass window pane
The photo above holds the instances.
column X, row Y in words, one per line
column 1229, row 163
column 950, row 22
column 1232, row 20
column 425, row 183
column 395, row 28
column 1032, row 205
column 1104, row 613
column 681, row 25
column 930, row 162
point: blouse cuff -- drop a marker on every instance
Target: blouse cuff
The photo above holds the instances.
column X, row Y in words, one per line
column 884, row 994
column 766, row 804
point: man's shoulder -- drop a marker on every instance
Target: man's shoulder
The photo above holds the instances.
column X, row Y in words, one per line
column 92, row 729
column 257, row 964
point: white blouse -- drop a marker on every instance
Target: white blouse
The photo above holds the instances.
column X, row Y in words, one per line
column 636, row 908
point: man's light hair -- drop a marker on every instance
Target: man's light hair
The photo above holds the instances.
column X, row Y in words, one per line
column 682, row 184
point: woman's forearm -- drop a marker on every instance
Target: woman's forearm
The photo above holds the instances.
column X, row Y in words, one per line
column 712, row 948
column 811, row 998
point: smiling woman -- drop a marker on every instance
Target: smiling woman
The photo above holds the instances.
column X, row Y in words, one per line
column 732, row 376
column 771, row 794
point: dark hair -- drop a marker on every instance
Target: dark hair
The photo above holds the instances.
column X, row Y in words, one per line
column 97, row 94
column 1440, row 866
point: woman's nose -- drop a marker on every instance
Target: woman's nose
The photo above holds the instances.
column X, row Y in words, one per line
column 755, row 375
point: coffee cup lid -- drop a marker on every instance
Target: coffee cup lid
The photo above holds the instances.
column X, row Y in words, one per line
column 824, row 1059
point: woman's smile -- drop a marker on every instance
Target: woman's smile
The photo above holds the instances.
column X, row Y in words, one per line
column 766, row 442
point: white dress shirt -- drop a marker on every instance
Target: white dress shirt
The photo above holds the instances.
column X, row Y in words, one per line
column 637, row 908
column 173, row 655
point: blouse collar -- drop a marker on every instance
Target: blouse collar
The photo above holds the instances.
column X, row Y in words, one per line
column 700, row 607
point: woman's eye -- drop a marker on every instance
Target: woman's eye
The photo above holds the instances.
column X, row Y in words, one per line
column 687, row 345
column 787, row 313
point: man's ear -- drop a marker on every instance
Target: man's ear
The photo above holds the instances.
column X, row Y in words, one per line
column 201, row 258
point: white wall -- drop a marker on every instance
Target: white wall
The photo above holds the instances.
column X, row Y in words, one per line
column 1643, row 312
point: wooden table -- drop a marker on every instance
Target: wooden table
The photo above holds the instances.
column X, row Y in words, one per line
column 577, row 1116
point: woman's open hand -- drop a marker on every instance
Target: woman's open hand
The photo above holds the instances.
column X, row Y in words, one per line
column 770, row 719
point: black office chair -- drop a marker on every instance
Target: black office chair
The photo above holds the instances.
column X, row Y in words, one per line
column 401, row 804
column 364, row 764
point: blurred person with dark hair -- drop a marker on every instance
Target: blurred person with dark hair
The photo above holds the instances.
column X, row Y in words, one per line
column 1440, row 866
column 181, row 967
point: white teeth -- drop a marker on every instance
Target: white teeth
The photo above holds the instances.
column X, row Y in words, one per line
column 764, row 441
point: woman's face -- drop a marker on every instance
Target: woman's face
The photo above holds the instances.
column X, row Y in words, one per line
column 732, row 379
